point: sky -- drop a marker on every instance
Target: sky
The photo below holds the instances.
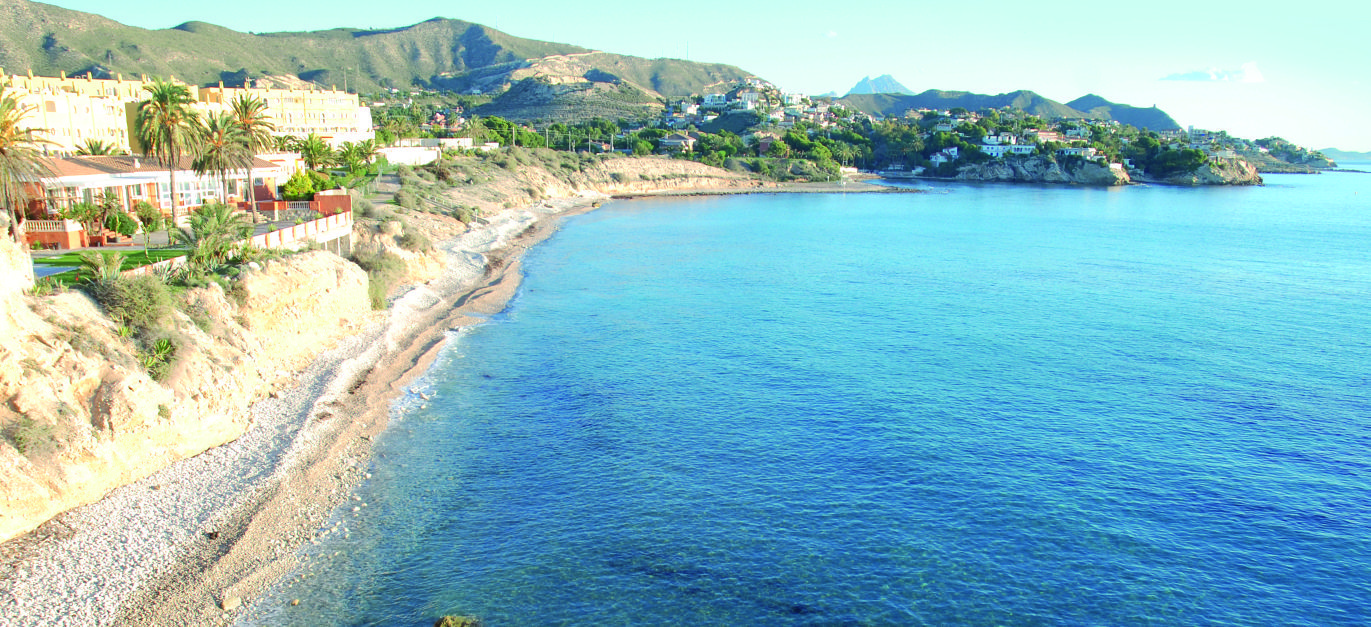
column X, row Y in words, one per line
column 1299, row 71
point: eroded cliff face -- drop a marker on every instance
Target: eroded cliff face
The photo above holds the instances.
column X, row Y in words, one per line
column 1218, row 172
column 80, row 413
column 1041, row 170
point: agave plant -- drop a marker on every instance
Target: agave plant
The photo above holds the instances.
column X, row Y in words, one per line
column 104, row 266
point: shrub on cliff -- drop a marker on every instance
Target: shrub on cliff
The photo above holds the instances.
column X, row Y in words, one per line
column 413, row 240
column 142, row 303
column 384, row 269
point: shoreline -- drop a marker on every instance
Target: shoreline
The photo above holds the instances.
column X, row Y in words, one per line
column 196, row 541
column 211, row 545
column 824, row 187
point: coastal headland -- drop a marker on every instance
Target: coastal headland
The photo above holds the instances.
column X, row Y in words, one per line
column 183, row 515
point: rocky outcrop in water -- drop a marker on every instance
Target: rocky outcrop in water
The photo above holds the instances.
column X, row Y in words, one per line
column 1036, row 169
column 1217, row 172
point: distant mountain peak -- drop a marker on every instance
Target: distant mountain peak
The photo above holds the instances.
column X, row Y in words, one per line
column 883, row 84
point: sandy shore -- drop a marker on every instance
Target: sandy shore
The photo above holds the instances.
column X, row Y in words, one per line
column 194, row 543
column 197, row 542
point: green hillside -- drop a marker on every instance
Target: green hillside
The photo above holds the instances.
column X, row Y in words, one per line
column 48, row 39
column 1150, row 118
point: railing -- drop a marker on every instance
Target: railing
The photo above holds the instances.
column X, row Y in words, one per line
column 297, row 204
column 52, row 226
column 321, row 230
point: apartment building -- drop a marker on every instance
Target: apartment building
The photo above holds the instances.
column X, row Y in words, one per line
column 71, row 110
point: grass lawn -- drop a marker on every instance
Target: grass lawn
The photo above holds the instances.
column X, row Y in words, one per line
column 133, row 258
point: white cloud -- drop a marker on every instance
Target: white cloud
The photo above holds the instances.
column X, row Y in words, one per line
column 1248, row 73
column 832, row 34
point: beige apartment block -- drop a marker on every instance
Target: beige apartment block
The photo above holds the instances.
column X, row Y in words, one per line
column 67, row 111
column 336, row 116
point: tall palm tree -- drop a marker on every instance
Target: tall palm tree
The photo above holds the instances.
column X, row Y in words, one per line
column 315, row 151
column 168, row 129
column 21, row 159
column 250, row 113
column 222, row 149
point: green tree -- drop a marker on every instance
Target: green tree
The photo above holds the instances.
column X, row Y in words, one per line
column 168, row 129
column 250, row 114
column 151, row 219
column 223, row 148
column 299, row 187
column 21, row 160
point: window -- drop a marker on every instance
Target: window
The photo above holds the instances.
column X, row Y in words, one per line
column 50, row 106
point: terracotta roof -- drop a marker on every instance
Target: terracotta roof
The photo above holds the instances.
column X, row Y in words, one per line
column 68, row 167
column 123, row 164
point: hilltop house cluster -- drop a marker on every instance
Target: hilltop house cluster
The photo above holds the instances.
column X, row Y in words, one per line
column 755, row 96
column 70, row 112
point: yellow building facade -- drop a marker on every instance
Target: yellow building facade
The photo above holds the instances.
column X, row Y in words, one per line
column 68, row 111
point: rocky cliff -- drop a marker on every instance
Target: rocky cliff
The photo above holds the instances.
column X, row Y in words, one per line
column 1035, row 169
column 81, row 415
column 1217, row 172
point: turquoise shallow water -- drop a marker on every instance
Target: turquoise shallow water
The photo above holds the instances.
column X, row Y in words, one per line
column 981, row 405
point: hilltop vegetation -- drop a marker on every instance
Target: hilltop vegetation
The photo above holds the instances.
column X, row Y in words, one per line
column 438, row 53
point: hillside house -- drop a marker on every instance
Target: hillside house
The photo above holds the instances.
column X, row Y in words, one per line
column 676, row 142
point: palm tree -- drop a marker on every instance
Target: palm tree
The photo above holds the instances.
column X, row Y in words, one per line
column 250, row 113
column 21, row 161
column 315, row 151
column 349, row 156
column 167, row 127
column 284, row 143
column 214, row 229
column 223, row 148
column 97, row 147
column 367, row 151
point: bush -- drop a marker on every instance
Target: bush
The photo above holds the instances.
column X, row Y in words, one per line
column 413, row 240
column 406, row 199
column 30, row 436
column 121, row 223
column 383, row 271
column 299, row 187
column 142, row 302
column 465, row 214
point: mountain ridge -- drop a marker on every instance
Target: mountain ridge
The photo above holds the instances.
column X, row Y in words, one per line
column 48, row 40
column 883, row 84
column 887, row 105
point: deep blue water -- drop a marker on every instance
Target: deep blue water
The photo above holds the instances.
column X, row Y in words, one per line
column 983, row 405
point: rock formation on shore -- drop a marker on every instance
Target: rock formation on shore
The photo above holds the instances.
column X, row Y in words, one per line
column 1036, row 169
column 1218, row 172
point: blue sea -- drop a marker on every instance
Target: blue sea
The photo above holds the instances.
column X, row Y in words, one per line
column 978, row 405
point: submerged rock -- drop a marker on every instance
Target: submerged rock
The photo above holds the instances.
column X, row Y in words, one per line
column 457, row 621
